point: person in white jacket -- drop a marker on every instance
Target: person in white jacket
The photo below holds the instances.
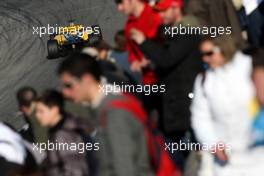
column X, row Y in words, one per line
column 221, row 110
column 11, row 145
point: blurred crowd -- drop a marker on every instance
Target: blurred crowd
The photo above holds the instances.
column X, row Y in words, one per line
column 214, row 94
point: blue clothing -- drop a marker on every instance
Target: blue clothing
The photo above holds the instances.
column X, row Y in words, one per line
column 121, row 59
column 258, row 128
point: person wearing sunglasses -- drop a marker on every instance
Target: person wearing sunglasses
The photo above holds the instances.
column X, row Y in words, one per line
column 123, row 145
column 221, row 111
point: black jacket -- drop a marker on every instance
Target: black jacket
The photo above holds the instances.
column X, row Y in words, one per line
column 64, row 159
column 178, row 62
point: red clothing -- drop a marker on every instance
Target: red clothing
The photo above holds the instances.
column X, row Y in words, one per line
column 148, row 22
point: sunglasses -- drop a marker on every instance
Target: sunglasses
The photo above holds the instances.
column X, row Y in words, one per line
column 69, row 85
column 210, row 53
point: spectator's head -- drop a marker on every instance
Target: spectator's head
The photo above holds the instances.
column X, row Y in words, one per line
column 103, row 49
column 258, row 75
column 218, row 51
column 50, row 108
column 99, row 50
column 120, row 41
column 80, row 75
column 130, row 7
column 170, row 11
column 25, row 98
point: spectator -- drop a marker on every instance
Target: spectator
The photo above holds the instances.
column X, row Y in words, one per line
column 64, row 130
column 111, row 70
column 103, row 49
column 222, row 98
column 140, row 16
column 15, row 158
column 123, row 148
column 255, row 19
column 218, row 13
column 12, row 146
column 178, row 61
column 120, row 55
column 258, row 78
column 32, row 131
column 258, row 75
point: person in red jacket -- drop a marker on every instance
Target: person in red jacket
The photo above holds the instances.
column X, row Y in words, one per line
column 142, row 17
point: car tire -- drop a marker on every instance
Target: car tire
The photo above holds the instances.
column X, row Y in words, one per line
column 53, row 49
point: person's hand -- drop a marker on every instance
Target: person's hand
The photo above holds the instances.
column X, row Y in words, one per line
column 137, row 36
column 221, row 155
column 144, row 62
column 135, row 66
